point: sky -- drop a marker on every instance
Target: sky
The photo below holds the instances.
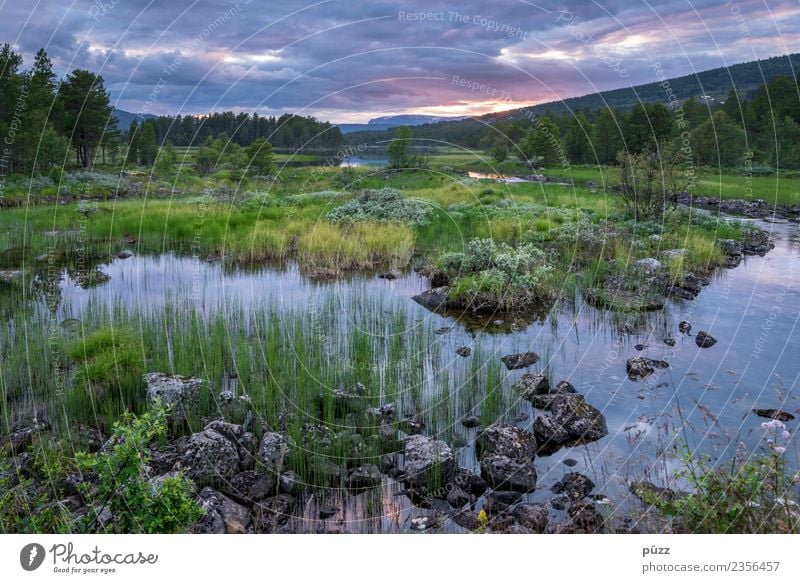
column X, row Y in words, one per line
column 351, row 60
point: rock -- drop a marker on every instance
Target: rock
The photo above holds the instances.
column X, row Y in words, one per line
column 757, row 243
column 124, row 255
column 585, row 517
column 249, row 487
column 427, row 461
column 9, row 276
column 507, row 454
column 507, row 440
column 684, row 327
column 274, row 451
column 464, row 351
column 349, row 399
column 674, row 253
column 89, row 438
column 180, row 392
column 563, row 387
column 569, row 462
column 470, row 482
column 439, row 278
column 532, row 384
column 704, row 340
column 776, row 414
column 616, row 294
column 443, row 330
column 222, row 515
column 520, row 360
column 457, row 497
column 364, row 477
column 576, row 486
column 271, row 514
column 24, row 435
column 434, row 299
column 412, row 426
column 640, row 367
column 648, row 266
column 470, row 421
column 215, row 454
column 669, row 341
column 391, row 274
column 327, row 511
column 532, row 517
column 290, row 483
column 569, row 420
column 639, row 347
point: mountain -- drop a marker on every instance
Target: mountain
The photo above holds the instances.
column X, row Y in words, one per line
column 714, row 83
column 124, row 118
column 388, row 122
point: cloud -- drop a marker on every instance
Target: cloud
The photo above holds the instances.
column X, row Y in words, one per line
column 347, row 60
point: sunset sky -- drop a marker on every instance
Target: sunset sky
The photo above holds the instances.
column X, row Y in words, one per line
column 348, row 61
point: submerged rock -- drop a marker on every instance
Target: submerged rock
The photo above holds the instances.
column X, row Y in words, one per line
column 640, row 367
column 504, row 472
column 464, row 351
column 776, row 414
column 684, row 327
column 471, row 421
column 575, row 485
column 364, row 477
column 520, row 360
column 391, row 274
column 704, row 340
column 568, row 420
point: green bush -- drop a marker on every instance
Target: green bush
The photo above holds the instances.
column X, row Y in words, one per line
column 138, row 505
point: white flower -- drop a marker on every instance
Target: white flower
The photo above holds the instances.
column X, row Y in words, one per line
column 786, row 435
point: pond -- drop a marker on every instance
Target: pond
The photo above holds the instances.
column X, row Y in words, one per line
column 705, row 398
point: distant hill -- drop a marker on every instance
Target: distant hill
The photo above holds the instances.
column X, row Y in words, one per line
column 124, row 118
column 714, row 83
column 388, row 122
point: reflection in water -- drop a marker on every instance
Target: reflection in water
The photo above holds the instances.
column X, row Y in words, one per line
column 704, row 398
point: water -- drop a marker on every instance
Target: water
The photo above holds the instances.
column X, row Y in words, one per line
column 704, row 398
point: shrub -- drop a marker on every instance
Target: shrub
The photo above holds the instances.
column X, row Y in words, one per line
column 138, row 505
column 386, row 204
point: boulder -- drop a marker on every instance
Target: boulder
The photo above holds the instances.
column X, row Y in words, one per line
column 563, row 387
column 215, row 454
column 249, row 487
column 585, row 517
column 684, row 327
column 273, row 513
column 776, row 414
column 471, row 421
column 470, row 482
column 532, row 384
column 507, row 454
column 273, row 452
column 456, row 497
column 24, row 434
column 364, row 477
column 532, row 517
column 434, row 299
column 180, row 392
column 520, row 360
column 391, row 274
column 222, row 515
column 568, row 420
column 640, row 367
column 427, row 461
column 511, row 474
column 704, row 340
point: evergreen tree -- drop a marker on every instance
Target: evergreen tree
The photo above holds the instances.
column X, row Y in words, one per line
column 87, row 113
column 606, row 137
column 543, row 142
column 399, row 148
column 259, row 156
column 148, row 148
column 132, row 155
column 718, row 142
column 576, row 140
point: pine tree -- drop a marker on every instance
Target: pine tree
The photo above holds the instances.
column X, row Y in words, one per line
column 87, row 113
